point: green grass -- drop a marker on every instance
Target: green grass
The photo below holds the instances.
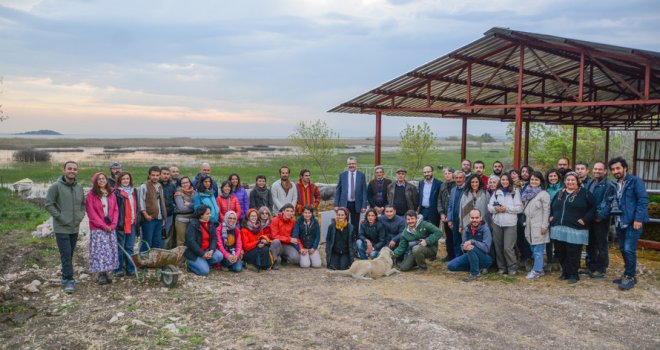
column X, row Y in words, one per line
column 249, row 169
column 18, row 214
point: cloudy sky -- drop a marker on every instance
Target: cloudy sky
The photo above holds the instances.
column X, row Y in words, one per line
column 256, row 68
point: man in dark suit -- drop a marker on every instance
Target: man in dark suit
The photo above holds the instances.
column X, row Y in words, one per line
column 351, row 192
column 429, row 189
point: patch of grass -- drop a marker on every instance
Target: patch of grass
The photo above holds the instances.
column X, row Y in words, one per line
column 132, row 308
column 501, row 278
column 18, row 214
column 65, row 307
column 196, row 340
column 162, row 337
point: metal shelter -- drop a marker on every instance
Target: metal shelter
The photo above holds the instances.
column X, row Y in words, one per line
column 522, row 77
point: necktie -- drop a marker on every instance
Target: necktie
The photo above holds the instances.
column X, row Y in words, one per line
column 352, row 196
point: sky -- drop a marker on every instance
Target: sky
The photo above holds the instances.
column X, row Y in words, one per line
column 244, row 69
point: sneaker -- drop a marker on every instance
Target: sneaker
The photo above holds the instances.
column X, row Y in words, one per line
column 584, row 272
column 70, row 286
column 627, row 283
column 501, row 272
column 130, row 274
column 597, row 274
column 572, row 280
column 119, row 274
column 512, row 272
column 532, row 275
column 102, row 279
column 471, row 278
column 484, row 271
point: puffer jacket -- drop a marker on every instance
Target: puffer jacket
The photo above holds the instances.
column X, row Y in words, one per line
column 511, row 202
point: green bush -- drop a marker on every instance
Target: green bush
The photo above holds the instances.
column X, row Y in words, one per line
column 31, row 156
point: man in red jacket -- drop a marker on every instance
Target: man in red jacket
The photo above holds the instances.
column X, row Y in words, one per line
column 308, row 192
column 283, row 245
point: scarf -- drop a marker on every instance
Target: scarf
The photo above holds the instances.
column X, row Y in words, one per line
column 529, row 193
column 129, row 208
column 229, row 238
column 226, row 196
column 254, row 228
column 187, row 192
column 339, row 226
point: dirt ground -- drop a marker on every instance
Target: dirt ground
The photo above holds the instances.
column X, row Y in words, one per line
column 294, row 308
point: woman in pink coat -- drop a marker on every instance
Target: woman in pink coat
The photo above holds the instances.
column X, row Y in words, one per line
column 229, row 242
column 102, row 212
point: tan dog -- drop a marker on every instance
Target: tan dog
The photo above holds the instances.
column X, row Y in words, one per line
column 370, row 269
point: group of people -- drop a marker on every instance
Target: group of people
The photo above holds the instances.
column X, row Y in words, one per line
column 503, row 221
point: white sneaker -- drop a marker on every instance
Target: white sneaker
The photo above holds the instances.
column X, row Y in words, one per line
column 534, row 275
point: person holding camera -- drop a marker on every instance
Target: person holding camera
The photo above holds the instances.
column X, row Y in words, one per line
column 101, row 206
column 256, row 243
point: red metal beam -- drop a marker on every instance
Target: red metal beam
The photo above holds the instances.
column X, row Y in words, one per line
column 552, row 72
column 575, row 130
column 468, row 100
column 581, row 86
column 526, row 142
column 518, row 126
column 464, row 139
column 613, row 75
column 378, row 138
column 647, row 81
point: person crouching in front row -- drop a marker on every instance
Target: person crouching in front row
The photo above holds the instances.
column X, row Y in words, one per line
column 201, row 242
column 339, row 241
column 476, row 246
column 417, row 242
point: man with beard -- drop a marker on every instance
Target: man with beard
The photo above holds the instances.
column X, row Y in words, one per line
column 174, row 176
column 633, row 201
column 454, row 212
column 115, row 169
column 284, row 191
column 603, row 191
column 377, row 190
column 582, row 170
column 563, row 167
column 443, row 207
column 498, row 168
column 479, row 168
column 429, row 189
column 169, row 188
column 466, row 166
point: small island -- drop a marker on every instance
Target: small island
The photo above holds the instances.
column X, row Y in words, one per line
column 38, row 132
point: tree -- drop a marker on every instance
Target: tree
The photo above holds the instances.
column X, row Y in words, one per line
column 416, row 142
column 318, row 142
column 547, row 143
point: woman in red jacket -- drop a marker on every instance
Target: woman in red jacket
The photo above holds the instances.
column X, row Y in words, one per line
column 227, row 201
column 255, row 243
column 101, row 205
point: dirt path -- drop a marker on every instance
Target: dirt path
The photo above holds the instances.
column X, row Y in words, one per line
column 294, row 308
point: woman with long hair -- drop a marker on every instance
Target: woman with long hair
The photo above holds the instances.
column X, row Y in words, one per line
column 536, row 203
column 127, row 222
column 339, row 241
column 371, row 236
column 205, row 196
column 238, row 190
column 308, row 232
column 227, row 201
column 102, row 211
column 474, row 196
column 184, row 200
column 504, row 206
column 570, row 213
column 201, row 242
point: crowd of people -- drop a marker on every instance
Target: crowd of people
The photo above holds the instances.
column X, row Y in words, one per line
column 508, row 221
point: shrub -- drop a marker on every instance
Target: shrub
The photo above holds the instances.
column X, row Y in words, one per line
column 31, row 155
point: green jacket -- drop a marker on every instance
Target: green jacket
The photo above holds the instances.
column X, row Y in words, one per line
column 66, row 203
column 424, row 230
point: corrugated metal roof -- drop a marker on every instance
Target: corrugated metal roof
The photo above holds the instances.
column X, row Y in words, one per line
column 551, row 74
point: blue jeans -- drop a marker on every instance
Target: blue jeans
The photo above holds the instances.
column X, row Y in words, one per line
column 66, row 244
column 152, row 234
column 628, row 238
column 362, row 250
column 236, row 267
column 127, row 242
column 473, row 261
column 537, row 253
column 201, row 266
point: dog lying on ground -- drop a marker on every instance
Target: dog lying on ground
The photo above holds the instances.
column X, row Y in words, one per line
column 370, row 269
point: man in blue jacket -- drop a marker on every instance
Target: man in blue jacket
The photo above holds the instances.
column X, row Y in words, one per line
column 429, row 189
column 454, row 211
column 633, row 201
column 602, row 190
column 351, row 192
column 476, row 242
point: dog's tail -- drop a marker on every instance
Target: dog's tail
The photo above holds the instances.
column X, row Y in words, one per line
column 339, row 272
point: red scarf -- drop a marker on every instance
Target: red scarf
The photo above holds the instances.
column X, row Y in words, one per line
column 130, row 214
column 474, row 230
column 206, row 239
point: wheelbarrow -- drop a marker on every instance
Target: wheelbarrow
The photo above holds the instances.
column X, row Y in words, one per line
column 164, row 261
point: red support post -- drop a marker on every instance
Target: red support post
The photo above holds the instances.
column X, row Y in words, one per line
column 518, row 128
column 607, row 146
column 647, row 81
column 526, row 142
column 464, row 139
column 468, row 99
column 378, row 138
column 574, row 155
column 634, row 162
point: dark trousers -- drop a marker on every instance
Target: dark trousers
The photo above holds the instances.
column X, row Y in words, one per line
column 550, row 251
column 597, row 248
column 521, row 242
column 66, row 244
column 339, row 261
column 449, row 241
column 568, row 255
column 430, row 215
column 355, row 217
column 260, row 257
